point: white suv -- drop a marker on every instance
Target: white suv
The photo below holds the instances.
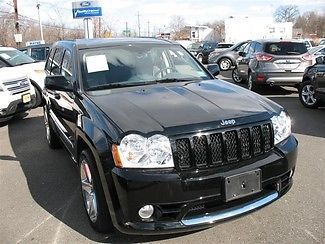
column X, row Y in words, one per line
column 14, row 62
column 17, row 95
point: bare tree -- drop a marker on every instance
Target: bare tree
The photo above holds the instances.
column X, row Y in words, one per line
column 286, row 13
column 178, row 27
column 311, row 23
column 218, row 30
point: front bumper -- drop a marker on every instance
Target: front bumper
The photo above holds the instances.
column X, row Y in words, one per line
column 195, row 200
column 16, row 107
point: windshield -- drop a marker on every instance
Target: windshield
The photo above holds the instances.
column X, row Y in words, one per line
column 285, row 48
column 138, row 65
column 15, row 57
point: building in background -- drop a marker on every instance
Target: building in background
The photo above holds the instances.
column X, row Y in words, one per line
column 239, row 29
column 199, row 32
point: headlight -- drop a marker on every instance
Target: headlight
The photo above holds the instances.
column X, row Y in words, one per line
column 136, row 151
column 282, row 127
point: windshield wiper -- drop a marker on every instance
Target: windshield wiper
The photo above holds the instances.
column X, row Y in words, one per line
column 118, row 85
column 24, row 63
column 171, row 80
column 130, row 84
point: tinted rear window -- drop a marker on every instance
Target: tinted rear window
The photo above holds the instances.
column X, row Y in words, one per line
column 285, row 48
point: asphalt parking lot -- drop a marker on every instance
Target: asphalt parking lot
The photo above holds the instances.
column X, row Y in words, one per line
column 41, row 201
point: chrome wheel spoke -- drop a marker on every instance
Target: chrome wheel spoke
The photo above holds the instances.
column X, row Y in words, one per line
column 88, row 191
column 307, row 95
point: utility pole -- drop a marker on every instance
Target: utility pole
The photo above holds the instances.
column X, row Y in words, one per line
column 16, row 20
column 40, row 21
column 126, row 29
column 16, row 16
column 99, row 27
column 139, row 27
column 148, row 28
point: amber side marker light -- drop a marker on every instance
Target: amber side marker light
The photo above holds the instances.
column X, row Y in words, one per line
column 116, row 157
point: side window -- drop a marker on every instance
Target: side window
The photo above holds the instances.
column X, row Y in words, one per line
column 258, row 47
column 251, row 48
column 247, row 47
column 66, row 70
column 49, row 61
column 57, row 62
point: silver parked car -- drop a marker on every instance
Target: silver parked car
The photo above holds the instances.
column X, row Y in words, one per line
column 273, row 62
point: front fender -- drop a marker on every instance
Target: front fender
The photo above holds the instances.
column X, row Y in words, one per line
column 97, row 141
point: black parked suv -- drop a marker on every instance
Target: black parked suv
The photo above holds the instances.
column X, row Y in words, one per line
column 226, row 58
column 162, row 146
column 272, row 62
column 201, row 50
column 312, row 88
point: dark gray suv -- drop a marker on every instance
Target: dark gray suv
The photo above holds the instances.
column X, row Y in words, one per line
column 272, row 62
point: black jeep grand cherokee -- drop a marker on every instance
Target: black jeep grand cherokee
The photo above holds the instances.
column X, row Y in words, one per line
column 161, row 145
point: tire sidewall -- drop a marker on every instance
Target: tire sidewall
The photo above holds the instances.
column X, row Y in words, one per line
column 302, row 85
column 239, row 80
column 225, row 60
column 103, row 222
column 200, row 57
column 51, row 138
column 251, row 84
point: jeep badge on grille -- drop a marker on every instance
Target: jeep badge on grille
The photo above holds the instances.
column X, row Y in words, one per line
column 228, row 122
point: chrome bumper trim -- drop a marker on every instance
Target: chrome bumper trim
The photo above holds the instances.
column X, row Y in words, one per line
column 210, row 218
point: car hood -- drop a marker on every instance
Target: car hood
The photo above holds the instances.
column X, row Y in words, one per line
column 35, row 72
column 11, row 74
column 182, row 107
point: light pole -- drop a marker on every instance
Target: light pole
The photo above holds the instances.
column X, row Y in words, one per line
column 40, row 21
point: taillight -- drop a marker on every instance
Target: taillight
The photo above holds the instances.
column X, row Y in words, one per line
column 307, row 57
column 263, row 57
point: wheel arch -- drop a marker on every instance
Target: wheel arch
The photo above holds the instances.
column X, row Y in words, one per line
column 39, row 89
column 83, row 141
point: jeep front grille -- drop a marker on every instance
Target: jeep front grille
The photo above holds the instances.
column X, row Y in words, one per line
column 222, row 148
column 17, row 86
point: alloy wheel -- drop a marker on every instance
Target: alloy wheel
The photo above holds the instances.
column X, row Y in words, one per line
column 235, row 76
column 88, row 191
column 308, row 95
column 47, row 127
column 200, row 58
column 225, row 64
column 250, row 82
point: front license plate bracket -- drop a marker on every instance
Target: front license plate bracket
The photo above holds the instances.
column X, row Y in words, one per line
column 242, row 185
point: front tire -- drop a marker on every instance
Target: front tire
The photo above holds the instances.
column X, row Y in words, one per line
column 200, row 58
column 52, row 139
column 93, row 194
column 38, row 99
column 236, row 77
column 225, row 64
column 251, row 84
column 307, row 95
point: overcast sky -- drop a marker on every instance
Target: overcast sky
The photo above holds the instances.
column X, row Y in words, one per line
column 159, row 13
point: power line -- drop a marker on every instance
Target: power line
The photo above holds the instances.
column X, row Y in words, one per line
column 34, row 20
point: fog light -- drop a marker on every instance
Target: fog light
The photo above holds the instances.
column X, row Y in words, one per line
column 146, row 211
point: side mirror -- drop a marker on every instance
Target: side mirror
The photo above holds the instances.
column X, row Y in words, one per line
column 320, row 60
column 213, row 69
column 242, row 54
column 57, row 83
